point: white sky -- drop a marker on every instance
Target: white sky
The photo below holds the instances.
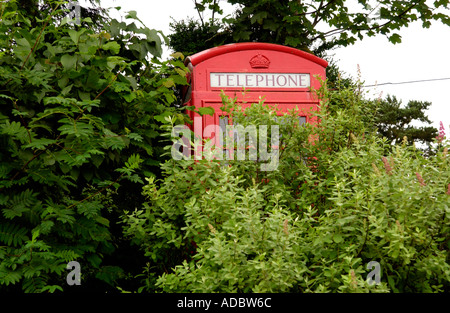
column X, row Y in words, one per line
column 423, row 54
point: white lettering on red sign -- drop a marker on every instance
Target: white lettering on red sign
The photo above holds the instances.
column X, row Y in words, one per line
column 259, row 80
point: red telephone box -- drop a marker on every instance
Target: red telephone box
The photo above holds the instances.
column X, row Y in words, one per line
column 282, row 75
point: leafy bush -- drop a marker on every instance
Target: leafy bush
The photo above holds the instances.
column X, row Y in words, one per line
column 79, row 111
column 335, row 203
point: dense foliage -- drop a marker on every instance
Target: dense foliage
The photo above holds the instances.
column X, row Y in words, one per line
column 190, row 36
column 321, row 25
column 82, row 110
column 79, row 111
column 336, row 202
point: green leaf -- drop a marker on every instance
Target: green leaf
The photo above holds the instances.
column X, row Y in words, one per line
column 152, row 35
column 113, row 46
column 46, row 226
column 259, row 17
column 68, row 61
column 39, row 143
column 135, row 137
column 154, row 48
column 15, row 130
column 131, row 14
column 337, row 238
column 79, row 129
column 115, row 27
column 206, row 111
column 168, row 83
column 75, row 35
column 114, row 141
column 9, row 277
column 392, row 283
column 113, row 61
column 89, row 208
column 102, row 220
column 133, row 161
column 177, row 55
column 24, row 43
column 51, row 288
column 162, row 117
column 395, row 38
column 12, row 234
column 62, row 83
column 120, row 86
column 66, row 90
column 34, row 234
column 129, row 97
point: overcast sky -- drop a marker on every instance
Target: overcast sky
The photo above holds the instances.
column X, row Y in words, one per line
column 423, row 54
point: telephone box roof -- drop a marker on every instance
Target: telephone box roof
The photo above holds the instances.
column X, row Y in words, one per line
column 209, row 53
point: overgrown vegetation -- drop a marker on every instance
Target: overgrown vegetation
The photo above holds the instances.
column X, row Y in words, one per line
column 84, row 177
column 79, row 111
column 336, row 203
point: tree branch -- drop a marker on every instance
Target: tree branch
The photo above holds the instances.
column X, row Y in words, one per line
column 109, row 85
column 30, row 160
column 39, row 37
column 391, row 20
column 214, row 11
column 201, row 17
column 339, row 30
column 35, row 43
column 321, row 6
column 316, row 19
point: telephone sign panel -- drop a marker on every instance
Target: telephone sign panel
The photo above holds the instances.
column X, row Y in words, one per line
column 259, row 80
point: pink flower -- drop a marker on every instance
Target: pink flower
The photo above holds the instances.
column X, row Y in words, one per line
column 420, row 179
column 441, row 135
column 387, row 166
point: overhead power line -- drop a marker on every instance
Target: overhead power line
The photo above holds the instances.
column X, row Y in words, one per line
column 409, row 82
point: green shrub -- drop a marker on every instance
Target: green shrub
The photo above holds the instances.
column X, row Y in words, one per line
column 335, row 203
column 79, row 111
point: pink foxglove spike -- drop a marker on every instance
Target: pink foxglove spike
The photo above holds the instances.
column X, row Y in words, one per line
column 441, row 135
column 441, row 130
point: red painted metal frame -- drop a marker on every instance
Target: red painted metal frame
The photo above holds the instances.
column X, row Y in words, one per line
column 234, row 58
column 236, row 47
